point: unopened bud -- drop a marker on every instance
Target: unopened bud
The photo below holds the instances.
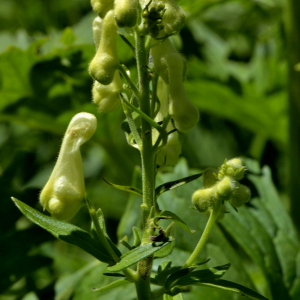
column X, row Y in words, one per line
column 97, row 31
column 106, row 97
column 173, row 18
column 233, row 168
column 63, row 193
column 105, row 62
column 241, row 195
column 126, row 12
column 101, row 7
column 203, row 199
column 225, row 188
column 170, row 65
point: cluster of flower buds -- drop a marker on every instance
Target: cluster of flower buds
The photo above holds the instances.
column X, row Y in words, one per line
column 164, row 14
column 103, row 67
column 152, row 18
column 171, row 67
column 222, row 185
column 63, row 194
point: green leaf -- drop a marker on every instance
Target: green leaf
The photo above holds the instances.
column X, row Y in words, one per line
column 175, row 184
column 177, row 220
column 176, row 297
column 132, row 214
column 138, row 235
column 174, row 277
column 129, row 189
column 203, row 275
column 131, row 257
column 65, row 286
column 66, row 232
column 233, row 287
column 112, row 285
column 68, row 37
column 100, row 216
column 218, row 99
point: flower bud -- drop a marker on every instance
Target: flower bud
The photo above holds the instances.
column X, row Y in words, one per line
column 210, row 177
column 101, row 7
column 241, row 195
column 203, row 199
column 174, row 17
column 126, row 12
column 233, row 168
column 106, row 97
column 170, row 65
column 63, row 193
column 225, row 188
column 97, row 31
column 169, row 154
column 105, row 62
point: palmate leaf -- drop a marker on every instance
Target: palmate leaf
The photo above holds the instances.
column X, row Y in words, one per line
column 132, row 257
column 175, row 184
column 232, row 287
column 66, row 232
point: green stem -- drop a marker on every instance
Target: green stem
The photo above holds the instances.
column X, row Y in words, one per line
column 154, row 94
column 131, row 123
column 148, row 172
column 210, row 223
column 129, row 81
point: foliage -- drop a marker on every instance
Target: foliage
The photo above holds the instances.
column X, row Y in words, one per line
column 236, row 78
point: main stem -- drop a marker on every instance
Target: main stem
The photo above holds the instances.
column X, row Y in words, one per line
column 148, row 172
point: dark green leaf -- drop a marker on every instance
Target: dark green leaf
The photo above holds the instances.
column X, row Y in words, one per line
column 130, row 258
column 177, row 220
column 66, row 232
column 174, row 277
column 233, row 287
column 203, row 275
column 175, row 184
column 112, row 285
column 129, row 189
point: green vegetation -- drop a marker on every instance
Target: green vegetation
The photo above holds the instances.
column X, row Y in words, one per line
column 236, row 53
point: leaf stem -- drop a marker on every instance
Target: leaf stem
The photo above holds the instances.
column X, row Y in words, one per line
column 211, row 221
column 129, row 81
column 99, row 231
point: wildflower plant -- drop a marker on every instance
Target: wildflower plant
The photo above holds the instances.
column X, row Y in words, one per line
column 156, row 108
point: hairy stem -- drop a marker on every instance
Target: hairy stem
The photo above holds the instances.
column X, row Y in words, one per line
column 210, row 223
column 148, row 172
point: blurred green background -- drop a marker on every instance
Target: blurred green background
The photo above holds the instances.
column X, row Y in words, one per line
column 237, row 76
